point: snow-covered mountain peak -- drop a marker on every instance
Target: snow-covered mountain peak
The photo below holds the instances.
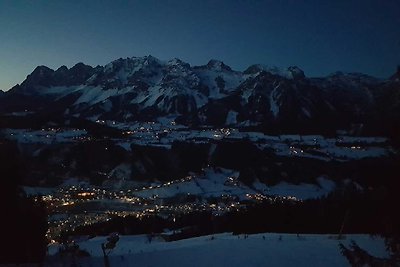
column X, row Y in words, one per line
column 296, row 72
column 40, row 77
column 292, row 72
column 131, row 63
column 177, row 62
column 213, row 94
column 150, row 60
column 217, row 65
column 40, row 72
column 62, row 69
column 353, row 79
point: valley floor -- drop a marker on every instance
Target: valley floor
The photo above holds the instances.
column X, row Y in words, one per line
column 268, row 249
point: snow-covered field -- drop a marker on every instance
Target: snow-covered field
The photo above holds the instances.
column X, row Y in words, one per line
column 164, row 132
column 225, row 182
column 268, row 249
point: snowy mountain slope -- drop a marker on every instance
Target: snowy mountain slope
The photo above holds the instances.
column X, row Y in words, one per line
column 145, row 88
column 220, row 79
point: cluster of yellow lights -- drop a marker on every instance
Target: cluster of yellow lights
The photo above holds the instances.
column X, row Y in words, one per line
column 86, row 194
column 68, row 203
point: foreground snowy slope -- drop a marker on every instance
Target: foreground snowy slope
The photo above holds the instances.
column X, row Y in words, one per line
column 267, row 249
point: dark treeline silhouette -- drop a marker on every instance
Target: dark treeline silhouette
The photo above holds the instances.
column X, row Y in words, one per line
column 23, row 219
column 91, row 160
column 344, row 211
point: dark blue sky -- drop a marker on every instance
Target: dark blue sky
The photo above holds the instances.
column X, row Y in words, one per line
column 319, row 36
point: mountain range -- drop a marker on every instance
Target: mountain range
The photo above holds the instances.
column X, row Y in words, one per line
column 269, row 98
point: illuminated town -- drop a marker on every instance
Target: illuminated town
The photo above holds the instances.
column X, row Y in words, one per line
column 76, row 206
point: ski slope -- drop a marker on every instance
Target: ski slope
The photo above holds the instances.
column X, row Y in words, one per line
column 268, row 249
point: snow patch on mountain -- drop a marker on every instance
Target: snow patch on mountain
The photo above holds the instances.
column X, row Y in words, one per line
column 94, row 95
column 219, row 83
column 273, row 97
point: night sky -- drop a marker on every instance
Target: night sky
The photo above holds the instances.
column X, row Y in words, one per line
column 319, row 36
